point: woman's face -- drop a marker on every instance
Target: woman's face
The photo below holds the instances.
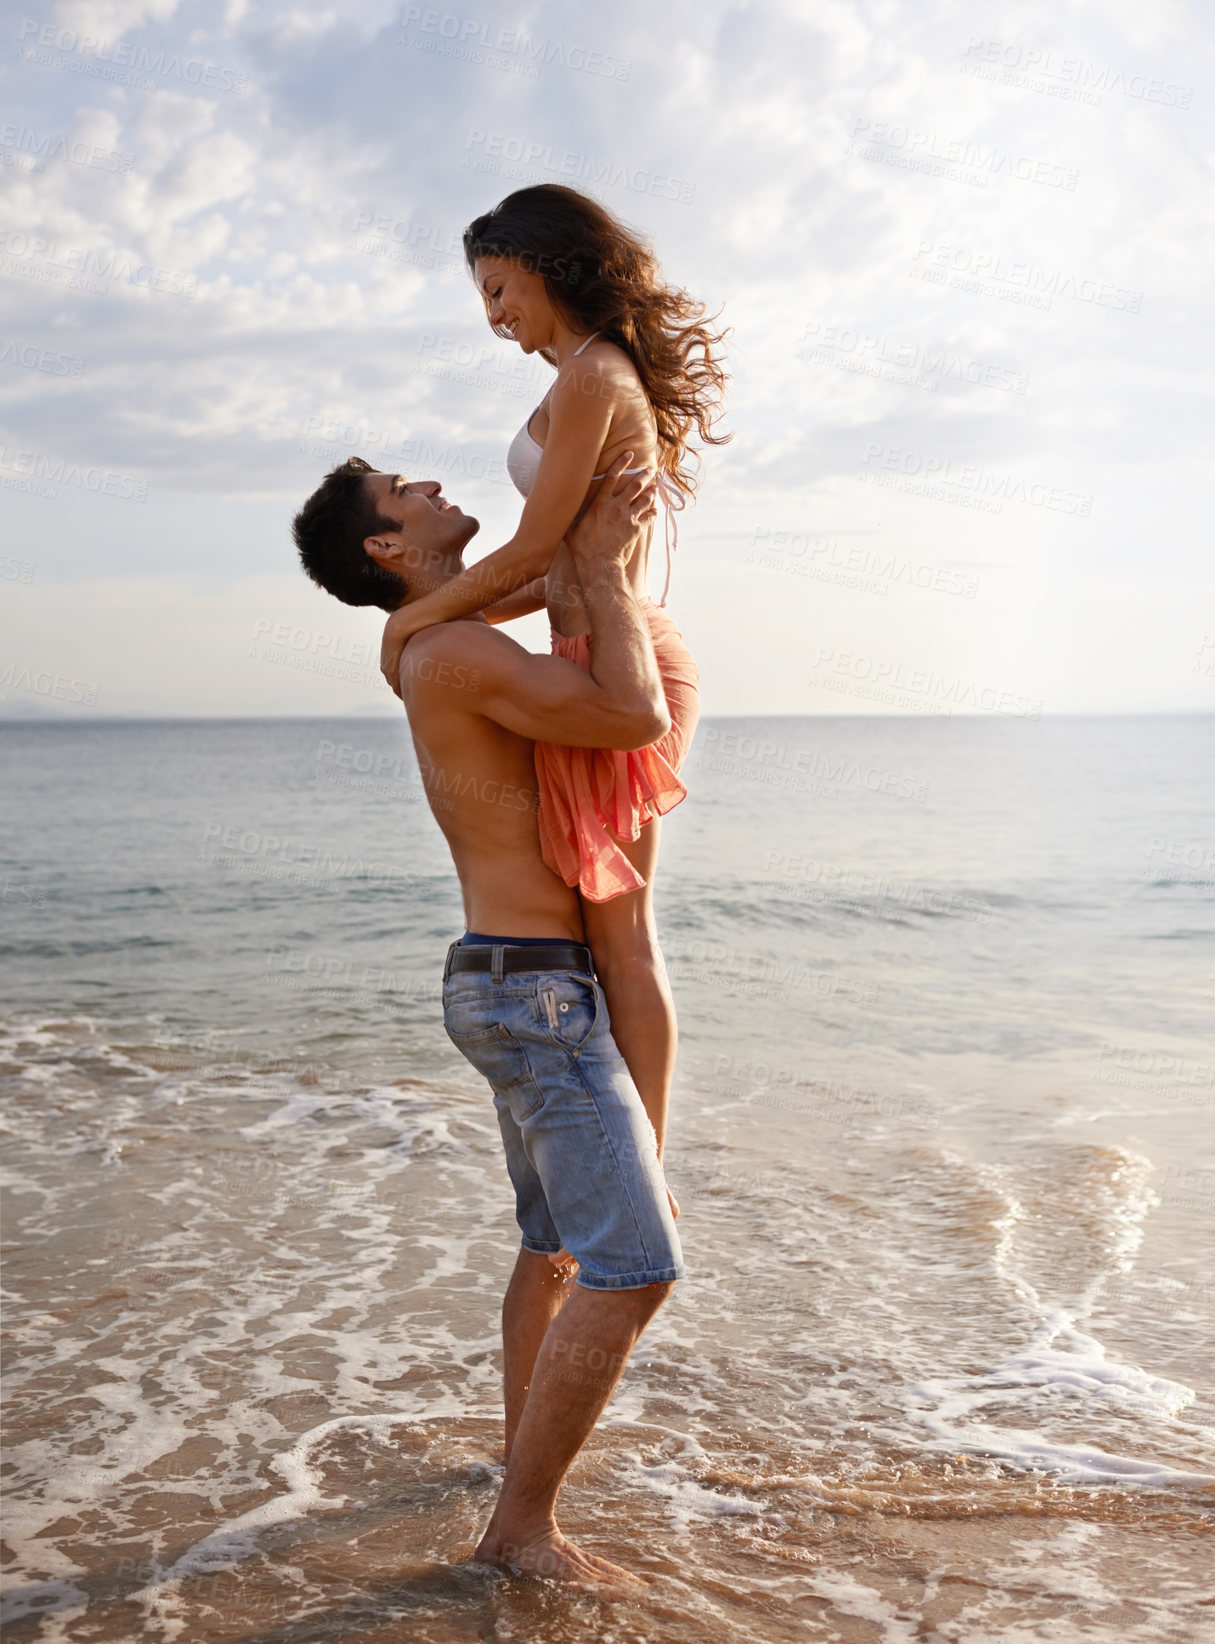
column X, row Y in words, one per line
column 516, row 301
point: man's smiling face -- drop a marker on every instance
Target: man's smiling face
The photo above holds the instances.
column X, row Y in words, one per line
column 431, row 532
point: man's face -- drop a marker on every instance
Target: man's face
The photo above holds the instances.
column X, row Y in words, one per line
column 431, row 532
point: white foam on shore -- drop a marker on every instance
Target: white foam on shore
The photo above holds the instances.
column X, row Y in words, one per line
column 849, row 1597
column 1061, row 1365
column 237, row 1540
column 686, row 1499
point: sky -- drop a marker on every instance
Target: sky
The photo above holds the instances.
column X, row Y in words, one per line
column 965, row 250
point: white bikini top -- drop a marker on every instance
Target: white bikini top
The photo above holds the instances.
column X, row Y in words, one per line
column 523, row 464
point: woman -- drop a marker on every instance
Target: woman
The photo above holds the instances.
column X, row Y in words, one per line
column 637, row 370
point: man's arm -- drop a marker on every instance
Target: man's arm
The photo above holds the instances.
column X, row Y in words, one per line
column 620, row 702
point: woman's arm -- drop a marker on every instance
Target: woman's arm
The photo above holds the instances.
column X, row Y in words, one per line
column 525, row 600
column 580, row 418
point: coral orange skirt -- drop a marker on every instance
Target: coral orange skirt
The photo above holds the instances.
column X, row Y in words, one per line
column 591, row 798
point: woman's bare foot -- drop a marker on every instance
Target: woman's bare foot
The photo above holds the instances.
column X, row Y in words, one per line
column 550, row 1554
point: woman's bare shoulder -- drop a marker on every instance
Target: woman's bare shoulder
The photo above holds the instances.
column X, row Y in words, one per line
column 605, row 370
column 608, row 356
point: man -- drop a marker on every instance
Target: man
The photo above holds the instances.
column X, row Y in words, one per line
column 520, row 998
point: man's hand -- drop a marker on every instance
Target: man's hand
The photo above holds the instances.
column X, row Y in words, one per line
column 608, row 531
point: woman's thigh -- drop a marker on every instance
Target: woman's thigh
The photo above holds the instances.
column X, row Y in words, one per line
column 627, row 921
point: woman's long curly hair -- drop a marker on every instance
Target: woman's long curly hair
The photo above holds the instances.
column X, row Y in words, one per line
column 601, row 277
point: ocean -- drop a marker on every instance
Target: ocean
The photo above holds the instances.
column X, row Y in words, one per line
column 941, row 1367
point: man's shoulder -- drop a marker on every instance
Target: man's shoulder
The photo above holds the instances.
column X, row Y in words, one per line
column 454, row 656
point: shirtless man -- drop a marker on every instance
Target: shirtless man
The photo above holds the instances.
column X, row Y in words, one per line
column 519, row 995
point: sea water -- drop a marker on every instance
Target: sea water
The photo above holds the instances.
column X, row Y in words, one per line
column 941, row 1135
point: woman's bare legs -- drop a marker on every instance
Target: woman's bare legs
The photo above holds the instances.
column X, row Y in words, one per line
column 629, row 963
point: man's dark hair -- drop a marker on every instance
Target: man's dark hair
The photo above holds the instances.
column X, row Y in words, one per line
column 329, row 531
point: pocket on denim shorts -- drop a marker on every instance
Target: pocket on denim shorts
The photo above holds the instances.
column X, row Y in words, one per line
column 499, row 1058
column 569, row 1009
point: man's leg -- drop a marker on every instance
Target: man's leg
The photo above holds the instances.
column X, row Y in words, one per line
column 532, row 1301
column 581, row 1155
column 580, row 1360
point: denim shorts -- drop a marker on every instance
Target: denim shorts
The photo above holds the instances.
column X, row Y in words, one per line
column 580, row 1149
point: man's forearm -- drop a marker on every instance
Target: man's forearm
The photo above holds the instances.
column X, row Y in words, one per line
column 622, row 652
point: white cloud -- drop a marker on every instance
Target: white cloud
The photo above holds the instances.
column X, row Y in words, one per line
column 855, row 246
column 110, row 19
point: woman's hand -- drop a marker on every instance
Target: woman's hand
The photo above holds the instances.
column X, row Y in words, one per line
column 398, row 631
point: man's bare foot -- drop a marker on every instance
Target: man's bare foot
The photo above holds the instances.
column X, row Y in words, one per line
column 550, row 1554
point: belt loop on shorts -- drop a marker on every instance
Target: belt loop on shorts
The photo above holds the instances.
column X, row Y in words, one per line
column 447, row 962
column 496, row 972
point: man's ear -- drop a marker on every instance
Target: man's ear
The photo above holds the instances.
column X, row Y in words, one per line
column 386, row 553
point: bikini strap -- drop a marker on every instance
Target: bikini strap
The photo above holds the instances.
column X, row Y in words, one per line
column 673, row 502
column 586, row 344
